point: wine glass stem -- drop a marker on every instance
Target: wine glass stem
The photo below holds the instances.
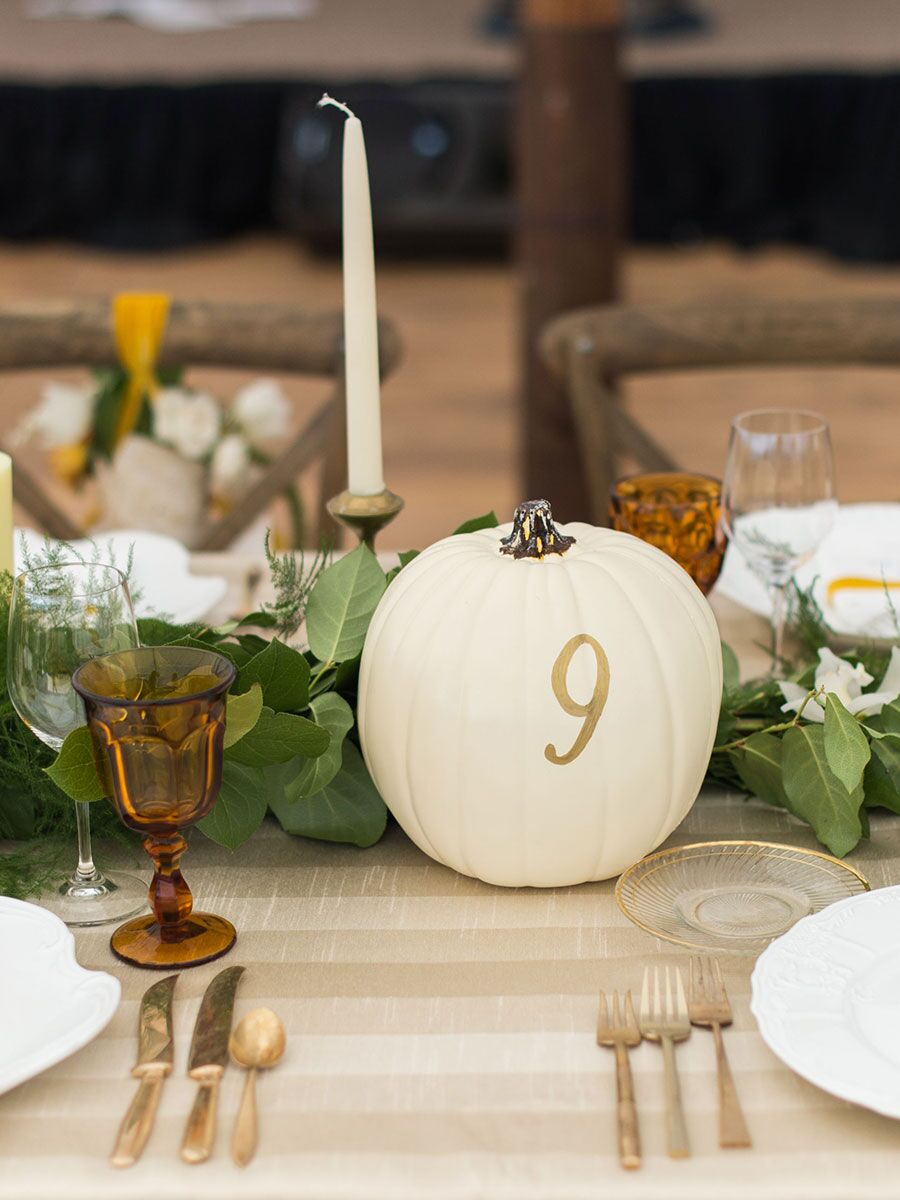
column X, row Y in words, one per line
column 86, row 869
column 779, row 613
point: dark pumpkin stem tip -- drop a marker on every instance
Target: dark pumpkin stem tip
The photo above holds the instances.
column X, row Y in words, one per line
column 533, row 533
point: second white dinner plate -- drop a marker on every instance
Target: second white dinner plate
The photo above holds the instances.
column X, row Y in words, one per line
column 826, row 997
column 864, row 543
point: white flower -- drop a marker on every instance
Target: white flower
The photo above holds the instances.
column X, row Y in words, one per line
column 190, row 422
column 63, row 417
column 261, row 409
column 836, row 676
column 230, row 467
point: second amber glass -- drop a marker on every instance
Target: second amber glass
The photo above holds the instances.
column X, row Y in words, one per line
column 679, row 514
column 157, row 721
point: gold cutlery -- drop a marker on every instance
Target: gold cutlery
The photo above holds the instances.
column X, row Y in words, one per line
column 256, row 1044
column 709, row 1006
column 664, row 1019
column 206, row 1062
column 621, row 1032
column 156, row 1049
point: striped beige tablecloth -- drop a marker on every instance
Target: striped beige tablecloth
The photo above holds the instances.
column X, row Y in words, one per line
column 441, row 1046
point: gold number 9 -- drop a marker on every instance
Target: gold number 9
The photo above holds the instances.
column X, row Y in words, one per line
column 594, row 707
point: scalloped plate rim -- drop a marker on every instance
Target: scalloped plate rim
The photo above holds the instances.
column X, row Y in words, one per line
column 886, row 1102
column 64, row 970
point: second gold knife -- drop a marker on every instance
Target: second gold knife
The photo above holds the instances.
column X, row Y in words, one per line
column 206, row 1063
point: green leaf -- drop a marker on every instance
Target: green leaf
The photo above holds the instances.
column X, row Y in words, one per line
column 889, row 719
column 108, row 401
column 880, row 789
column 407, row 556
column 731, row 671
column 887, row 750
column 153, row 631
column 759, row 764
column 256, row 620
column 346, row 677
column 725, row 729
column 487, row 521
column 846, row 746
column 241, row 714
column 349, row 809
column 240, row 809
column 74, row 770
column 302, row 777
column 283, row 675
column 816, row 794
column 341, row 605
column 196, row 643
column 277, row 738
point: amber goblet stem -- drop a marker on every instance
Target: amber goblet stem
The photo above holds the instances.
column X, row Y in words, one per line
column 170, row 896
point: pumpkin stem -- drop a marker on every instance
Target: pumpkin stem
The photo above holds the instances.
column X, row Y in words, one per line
column 533, row 532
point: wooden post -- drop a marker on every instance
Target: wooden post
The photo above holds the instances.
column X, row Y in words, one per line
column 571, row 188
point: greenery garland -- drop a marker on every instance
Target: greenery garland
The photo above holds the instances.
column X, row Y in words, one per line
column 828, row 774
column 293, row 746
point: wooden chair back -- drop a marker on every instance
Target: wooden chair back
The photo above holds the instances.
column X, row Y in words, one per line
column 275, row 338
column 593, row 349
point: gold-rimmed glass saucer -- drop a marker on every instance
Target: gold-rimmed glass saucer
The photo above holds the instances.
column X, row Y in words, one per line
column 732, row 896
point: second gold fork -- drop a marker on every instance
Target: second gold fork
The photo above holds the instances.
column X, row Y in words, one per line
column 664, row 1019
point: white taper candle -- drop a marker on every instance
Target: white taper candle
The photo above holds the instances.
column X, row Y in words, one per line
column 365, row 471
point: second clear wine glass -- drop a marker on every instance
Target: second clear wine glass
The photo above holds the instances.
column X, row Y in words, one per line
column 778, row 498
column 60, row 616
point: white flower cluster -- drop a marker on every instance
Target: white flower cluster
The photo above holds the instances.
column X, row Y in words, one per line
column 231, row 441
column 62, row 418
column 196, row 427
column 836, row 676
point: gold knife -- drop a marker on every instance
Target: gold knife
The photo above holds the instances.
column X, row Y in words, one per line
column 156, row 1049
column 206, row 1063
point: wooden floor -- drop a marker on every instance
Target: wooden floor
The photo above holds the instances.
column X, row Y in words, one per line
column 450, row 412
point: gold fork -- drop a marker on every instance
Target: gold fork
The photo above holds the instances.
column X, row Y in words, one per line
column 709, row 1006
column 664, row 1019
column 620, row 1034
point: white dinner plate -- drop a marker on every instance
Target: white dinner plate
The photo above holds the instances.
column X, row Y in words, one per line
column 864, row 542
column 49, row 1005
column 161, row 573
column 826, row 997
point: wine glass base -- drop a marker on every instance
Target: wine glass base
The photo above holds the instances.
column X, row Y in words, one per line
column 99, row 900
column 202, row 937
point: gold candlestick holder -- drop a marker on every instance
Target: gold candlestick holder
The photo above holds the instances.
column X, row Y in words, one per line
column 365, row 515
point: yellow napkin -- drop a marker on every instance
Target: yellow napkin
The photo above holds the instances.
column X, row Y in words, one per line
column 139, row 321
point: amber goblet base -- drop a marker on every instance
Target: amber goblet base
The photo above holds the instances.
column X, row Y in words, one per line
column 201, row 938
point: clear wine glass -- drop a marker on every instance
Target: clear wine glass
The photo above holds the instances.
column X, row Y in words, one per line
column 60, row 616
column 778, row 500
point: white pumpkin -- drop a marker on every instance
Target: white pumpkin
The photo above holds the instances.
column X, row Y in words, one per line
column 546, row 720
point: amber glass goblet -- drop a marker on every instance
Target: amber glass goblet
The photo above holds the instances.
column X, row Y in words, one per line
column 157, row 721
column 679, row 514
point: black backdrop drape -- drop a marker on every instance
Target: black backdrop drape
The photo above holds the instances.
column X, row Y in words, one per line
column 812, row 159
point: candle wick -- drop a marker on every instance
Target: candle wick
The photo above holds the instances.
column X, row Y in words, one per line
column 326, row 100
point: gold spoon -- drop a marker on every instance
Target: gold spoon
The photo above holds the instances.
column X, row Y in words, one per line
column 257, row 1043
